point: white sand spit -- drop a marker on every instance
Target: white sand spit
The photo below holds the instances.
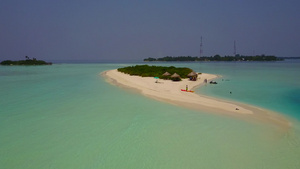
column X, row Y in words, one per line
column 169, row 91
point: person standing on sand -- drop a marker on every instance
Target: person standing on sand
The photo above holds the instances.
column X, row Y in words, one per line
column 186, row 87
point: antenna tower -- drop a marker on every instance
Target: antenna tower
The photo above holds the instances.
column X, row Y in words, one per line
column 234, row 48
column 201, row 51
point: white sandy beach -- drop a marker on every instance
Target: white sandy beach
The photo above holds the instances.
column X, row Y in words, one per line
column 169, row 91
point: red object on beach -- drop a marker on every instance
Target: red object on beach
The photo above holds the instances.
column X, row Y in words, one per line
column 187, row 90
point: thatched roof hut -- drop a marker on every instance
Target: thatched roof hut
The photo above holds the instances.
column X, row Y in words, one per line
column 192, row 74
column 166, row 74
column 175, row 75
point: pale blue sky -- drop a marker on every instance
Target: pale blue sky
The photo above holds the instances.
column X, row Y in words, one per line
column 104, row 30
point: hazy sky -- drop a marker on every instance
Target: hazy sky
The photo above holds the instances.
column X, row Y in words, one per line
column 131, row 30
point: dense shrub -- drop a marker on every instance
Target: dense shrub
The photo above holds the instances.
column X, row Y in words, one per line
column 155, row 71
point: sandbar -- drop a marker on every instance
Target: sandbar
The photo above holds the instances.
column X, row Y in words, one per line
column 170, row 92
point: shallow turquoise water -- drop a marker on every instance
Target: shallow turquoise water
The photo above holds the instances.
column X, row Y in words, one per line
column 68, row 116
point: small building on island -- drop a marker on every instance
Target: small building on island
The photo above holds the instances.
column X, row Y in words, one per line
column 193, row 76
column 176, row 77
column 166, row 74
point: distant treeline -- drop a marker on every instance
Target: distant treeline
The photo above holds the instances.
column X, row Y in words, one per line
column 28, row 61
column 217, row 58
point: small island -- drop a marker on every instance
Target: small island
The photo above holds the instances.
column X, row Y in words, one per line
column 181, row 93
column 215, row 58
column 26, row 62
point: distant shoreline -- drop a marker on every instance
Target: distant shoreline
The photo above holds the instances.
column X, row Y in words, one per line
column 170, row 92
column 216, row 58
column 27, row 62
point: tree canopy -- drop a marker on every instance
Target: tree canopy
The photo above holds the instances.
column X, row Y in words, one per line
column 155, row 71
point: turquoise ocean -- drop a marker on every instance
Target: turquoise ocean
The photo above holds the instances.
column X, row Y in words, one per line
column 67, row 116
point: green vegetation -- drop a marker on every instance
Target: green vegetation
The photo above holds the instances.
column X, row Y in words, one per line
column 217, row 58
column 155, row 71
column 28, row 61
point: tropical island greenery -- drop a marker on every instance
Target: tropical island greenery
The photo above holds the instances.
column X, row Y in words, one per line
column 156, row 71
column 28, row 61
column 217, row 58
